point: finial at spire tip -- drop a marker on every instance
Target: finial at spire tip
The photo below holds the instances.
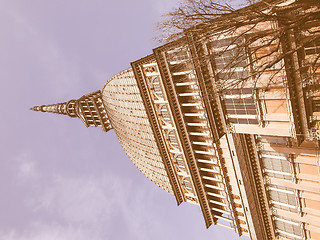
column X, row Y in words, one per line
column 35, row 108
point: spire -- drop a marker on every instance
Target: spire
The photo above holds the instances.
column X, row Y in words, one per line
column 66, row 108
column 89, row 108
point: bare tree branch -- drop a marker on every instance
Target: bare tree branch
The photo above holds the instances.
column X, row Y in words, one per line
column 256, row 32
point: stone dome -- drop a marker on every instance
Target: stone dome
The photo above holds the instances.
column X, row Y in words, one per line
column 130, row 122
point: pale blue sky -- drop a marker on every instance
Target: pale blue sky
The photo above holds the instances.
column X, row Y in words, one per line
column 59, row 180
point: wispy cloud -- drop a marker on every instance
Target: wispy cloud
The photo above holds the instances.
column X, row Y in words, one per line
column 40, row 231
column 87, row 208
column 26, row 168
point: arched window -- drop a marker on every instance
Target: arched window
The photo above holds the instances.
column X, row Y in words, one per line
column 164, row 113
column 187, row 183
column 156, row 87
column 173, row 139
column 180, row 162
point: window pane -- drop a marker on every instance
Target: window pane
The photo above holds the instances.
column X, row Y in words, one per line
column 274, row 140
column 240, row 102
column 165, row 114
column 283, row 196
column 172, row 139
column 156, row 86
column 277, row 163
column 288, row 227
column 180, row 161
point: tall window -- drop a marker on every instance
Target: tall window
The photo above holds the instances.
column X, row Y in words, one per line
column 312, row 48
column 177, row 55
column 187, row 184
column 240, row 106
column 276, row 164
column 173, row 139
column 274, row 140
column 230, row 61
column 288, row 228
column 312, row 61
column 316, row 105
column 180, row 162
column 283, row 198
column 165, row 114
column 156, row 87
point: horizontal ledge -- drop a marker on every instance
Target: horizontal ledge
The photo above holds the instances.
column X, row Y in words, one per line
column 211, row 171
column 218, row 203
column 205, row 152
column 216, row 195
column 185, row 83
column 188, row 94
column 207, row 161
column 203, row 143
column 212, row 179
column 197, row 124
column 199, row 133
column 214, row 187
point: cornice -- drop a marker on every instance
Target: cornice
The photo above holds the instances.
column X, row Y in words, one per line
column 208, row 89
column 182, row 131
column 145, row 95
column 256, row 175
column 228, row 187
column 215, row 118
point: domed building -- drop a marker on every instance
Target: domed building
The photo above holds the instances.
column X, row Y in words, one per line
column 247, row 154
column 119, row 106
column 129, row 119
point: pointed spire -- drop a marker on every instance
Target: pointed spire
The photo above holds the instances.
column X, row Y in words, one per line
column 66, row 108
column 35, row 108
column 89, row 108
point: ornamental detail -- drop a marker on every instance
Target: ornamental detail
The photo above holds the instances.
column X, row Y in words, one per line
column 231, row 128
column 89, row 108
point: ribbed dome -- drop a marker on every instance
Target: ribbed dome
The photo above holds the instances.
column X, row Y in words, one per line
column 130, row 122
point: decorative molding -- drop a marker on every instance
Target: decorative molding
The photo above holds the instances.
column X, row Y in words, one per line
column 154, row 122
column 82, row 108
column 266, row 180
column 230, row 128
column 273, row 211
column 208, row 88
column 313, row 134
column 181, row 127
column 259, row 146
column 228, row 188
column 260, row 181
